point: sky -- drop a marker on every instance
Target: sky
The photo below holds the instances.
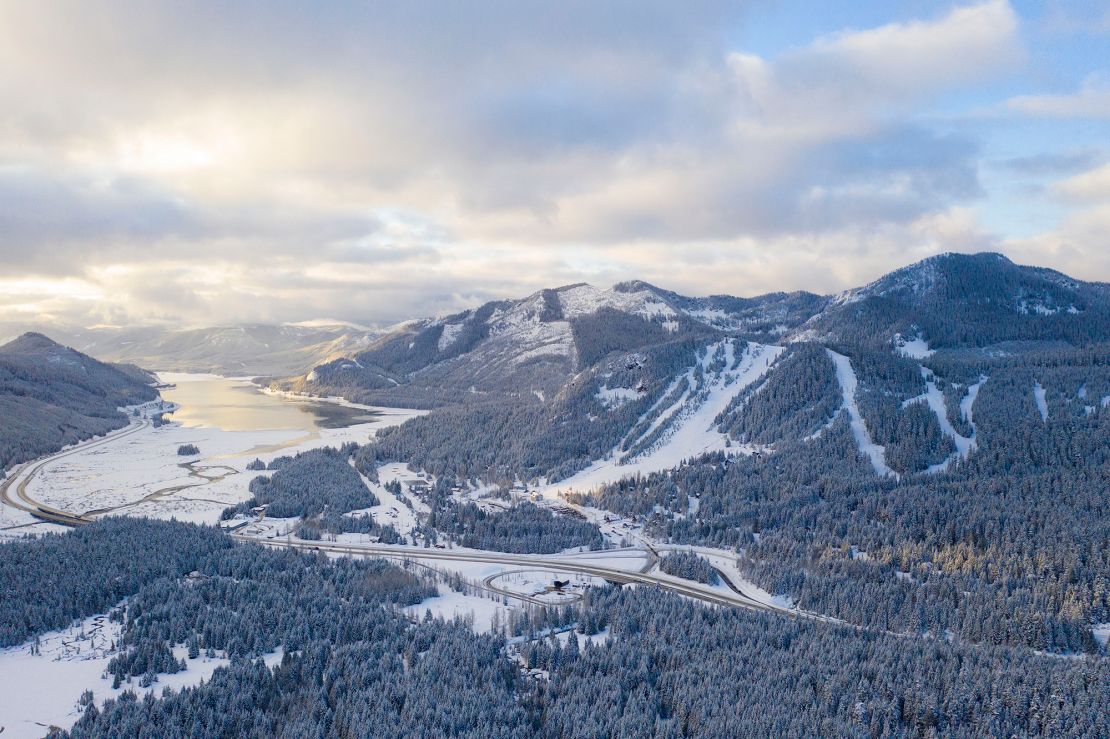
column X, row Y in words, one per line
column 204, row 163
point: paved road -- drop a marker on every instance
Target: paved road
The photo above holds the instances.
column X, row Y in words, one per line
column 563, row 563
column 13, row 490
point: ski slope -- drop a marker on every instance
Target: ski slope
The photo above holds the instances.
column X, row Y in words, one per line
column 690, row 422
column 846, row 377
column 934, row 398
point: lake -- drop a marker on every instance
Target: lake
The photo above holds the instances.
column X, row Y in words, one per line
column 232, row 404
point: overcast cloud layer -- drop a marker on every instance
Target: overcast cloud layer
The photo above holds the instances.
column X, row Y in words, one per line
column 206, row 162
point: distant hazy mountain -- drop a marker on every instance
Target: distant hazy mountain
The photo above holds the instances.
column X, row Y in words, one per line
column 251, row 350
column 51, row 396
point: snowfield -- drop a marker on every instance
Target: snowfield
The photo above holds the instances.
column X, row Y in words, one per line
column 451, row 332
column 615, row 397
column 583, row 300
column 916, row 348
column 1042, row 402
column 482, row 613
column 41, row 690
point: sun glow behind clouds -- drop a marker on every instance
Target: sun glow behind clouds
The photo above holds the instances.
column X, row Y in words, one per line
column 165, row 151
column 149, row 153
column 43, row 297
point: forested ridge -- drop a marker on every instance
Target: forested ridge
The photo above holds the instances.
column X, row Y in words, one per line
column 354, row 666
column 1010, row 546
column 51, row 396
column 50, row 581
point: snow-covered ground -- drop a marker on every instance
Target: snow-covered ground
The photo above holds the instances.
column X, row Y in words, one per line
column 391, row 510
column 934, row 398
column 1042, row 402
column 536, row 583
column 142, row 474
column 582, row 300
column 846, row 376
column 1101, row 633
column 915, row 348
column 483, row 613
column 40, row 690
column 614, row 397
column 690, row 421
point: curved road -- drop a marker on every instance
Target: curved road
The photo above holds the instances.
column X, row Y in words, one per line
column 563, row 563
column 13, row 490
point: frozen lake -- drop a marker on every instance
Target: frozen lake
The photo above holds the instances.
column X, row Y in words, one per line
column 230, row 421
column 236, row 404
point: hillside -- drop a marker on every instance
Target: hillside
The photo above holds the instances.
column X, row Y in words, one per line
column 966, row 301
column 52, row 396
column 535, row 346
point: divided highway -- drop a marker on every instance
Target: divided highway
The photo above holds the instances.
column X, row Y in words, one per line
column 563, row 563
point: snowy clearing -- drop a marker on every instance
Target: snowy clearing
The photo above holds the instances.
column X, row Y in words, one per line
column 483, row 614
column 916, row 348
column 450, row 332
column 615, row 397
column 1042, row 402
column 538, row 584
column 1101, row 633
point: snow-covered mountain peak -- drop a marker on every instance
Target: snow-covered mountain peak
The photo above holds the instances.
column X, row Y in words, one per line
column 584, row 300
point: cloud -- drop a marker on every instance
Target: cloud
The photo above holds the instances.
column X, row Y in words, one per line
column 1092, row 100
column 1077, row 244
column 371, row 161
column 905, row 60
column 1090, row 186
column 1054, row 163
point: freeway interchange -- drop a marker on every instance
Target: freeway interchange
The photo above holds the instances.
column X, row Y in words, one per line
column 576, row 563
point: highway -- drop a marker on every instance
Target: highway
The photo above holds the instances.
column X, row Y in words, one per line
column 559, row 562
column 13, row 490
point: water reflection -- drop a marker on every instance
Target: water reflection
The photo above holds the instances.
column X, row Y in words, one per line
column 208, row 401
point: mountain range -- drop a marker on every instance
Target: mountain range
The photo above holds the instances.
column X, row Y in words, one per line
column 576, row 376
column 635, row 375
